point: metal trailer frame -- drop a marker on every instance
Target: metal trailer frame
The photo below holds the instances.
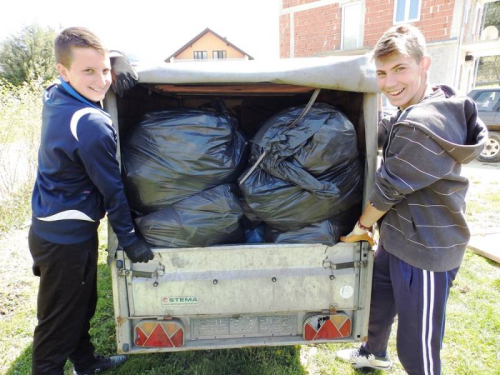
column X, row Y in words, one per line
column 250, row 295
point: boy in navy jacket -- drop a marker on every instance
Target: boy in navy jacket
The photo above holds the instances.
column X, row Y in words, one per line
column 419, row 197
column 78, row 181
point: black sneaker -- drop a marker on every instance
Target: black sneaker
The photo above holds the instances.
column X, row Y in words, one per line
column 360, row 358
column 102, row 363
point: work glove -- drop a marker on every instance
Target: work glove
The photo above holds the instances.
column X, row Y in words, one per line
column 124, row 75
column 139, row 251
column 359, row 234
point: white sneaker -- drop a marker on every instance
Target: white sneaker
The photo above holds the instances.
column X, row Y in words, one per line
column 360, row 358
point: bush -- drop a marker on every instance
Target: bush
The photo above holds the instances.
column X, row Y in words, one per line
column 20, row 123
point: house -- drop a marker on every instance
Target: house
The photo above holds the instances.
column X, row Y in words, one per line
column 208, row 46
column 452, row 28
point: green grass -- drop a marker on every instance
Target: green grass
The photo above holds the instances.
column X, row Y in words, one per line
column 483, row 208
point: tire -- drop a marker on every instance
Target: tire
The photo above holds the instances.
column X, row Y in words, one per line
column 491, row 152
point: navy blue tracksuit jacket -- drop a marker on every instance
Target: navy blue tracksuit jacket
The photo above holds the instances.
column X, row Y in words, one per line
column 78, row 176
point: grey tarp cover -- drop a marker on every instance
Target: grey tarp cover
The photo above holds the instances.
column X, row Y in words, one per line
column 346, row 73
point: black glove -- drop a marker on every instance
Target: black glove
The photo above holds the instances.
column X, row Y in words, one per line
column 139, row 251
column 124, row 75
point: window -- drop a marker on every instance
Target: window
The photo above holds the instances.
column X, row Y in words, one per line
column 219, row 54
column 351, row 26
column 487, row 100
column 200, row 55
column 406, row 10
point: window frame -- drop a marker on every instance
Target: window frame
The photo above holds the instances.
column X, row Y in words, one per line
column 359, row 43
column 224, row 54
column 406, row 17
column 203, row 53
column 488, row 94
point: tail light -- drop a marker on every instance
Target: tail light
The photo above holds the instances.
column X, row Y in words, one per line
column 154, row 334
column 327, row 327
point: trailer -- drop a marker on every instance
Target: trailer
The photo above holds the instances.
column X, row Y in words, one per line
column 245, row 295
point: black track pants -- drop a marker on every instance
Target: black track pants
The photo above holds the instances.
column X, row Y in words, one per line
column 67, row 299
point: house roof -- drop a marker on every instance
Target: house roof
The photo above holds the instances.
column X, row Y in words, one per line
column 199, row 36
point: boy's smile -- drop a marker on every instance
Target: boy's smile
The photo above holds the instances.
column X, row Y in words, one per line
column 89, row 73
column 402, row 79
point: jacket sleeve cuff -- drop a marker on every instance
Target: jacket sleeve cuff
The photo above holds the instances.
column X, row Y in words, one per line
column 378, row 202
column 127, row 239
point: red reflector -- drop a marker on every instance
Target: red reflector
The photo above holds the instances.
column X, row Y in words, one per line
column 154, row 334
column 327, row 327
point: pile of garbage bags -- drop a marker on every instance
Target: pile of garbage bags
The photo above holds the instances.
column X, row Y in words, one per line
column 310, row 173
column 303, row 181
column 178, row 167
column 174, row 154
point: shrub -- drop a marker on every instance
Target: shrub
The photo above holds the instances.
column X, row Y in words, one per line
column 20, row 122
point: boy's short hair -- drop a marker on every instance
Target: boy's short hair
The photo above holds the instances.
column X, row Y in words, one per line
column 403, row 39
column 75, row 37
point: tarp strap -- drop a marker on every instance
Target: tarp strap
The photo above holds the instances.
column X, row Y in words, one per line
column 304, row 112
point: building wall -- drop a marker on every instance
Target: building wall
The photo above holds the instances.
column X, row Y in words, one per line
column 435, row 22
column 443, row 63
column 285, row 36
column 307, row 32
column 317, row 30
column 313, row 27
column 209, row 42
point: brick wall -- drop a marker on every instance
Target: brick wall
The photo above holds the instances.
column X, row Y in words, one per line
column 378, row 18
column 317, row 30
column 293, row 3
column 435, row 19
column 285, row 36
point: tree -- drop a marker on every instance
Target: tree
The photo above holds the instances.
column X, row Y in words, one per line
column 489, row 66
column 492, row 14
column 28, row 55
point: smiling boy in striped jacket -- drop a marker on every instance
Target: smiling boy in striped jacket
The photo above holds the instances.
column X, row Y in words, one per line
column 419, row 197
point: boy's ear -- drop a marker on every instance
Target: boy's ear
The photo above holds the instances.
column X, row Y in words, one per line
column 425, row 63
column 63, row 71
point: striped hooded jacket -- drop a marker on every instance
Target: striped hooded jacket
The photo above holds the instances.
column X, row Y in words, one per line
column 78, row 177
column 419, row 183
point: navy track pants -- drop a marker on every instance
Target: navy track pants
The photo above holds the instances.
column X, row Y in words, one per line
column 67, row 298
column 419, row 299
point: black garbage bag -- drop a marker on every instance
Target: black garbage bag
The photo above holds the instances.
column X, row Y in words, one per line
column 311, row 171
column 255, row 235
column 326, row 232
column 177, row 153
column 205, row 219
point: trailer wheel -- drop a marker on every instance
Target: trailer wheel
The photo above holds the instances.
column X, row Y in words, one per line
column 491, row 152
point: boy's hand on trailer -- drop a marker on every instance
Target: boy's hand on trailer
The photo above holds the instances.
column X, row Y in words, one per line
column 359, row 233
column 124, row 75
column 139, row 251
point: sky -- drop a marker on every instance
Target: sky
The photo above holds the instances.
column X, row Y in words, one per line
column 153, row 30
